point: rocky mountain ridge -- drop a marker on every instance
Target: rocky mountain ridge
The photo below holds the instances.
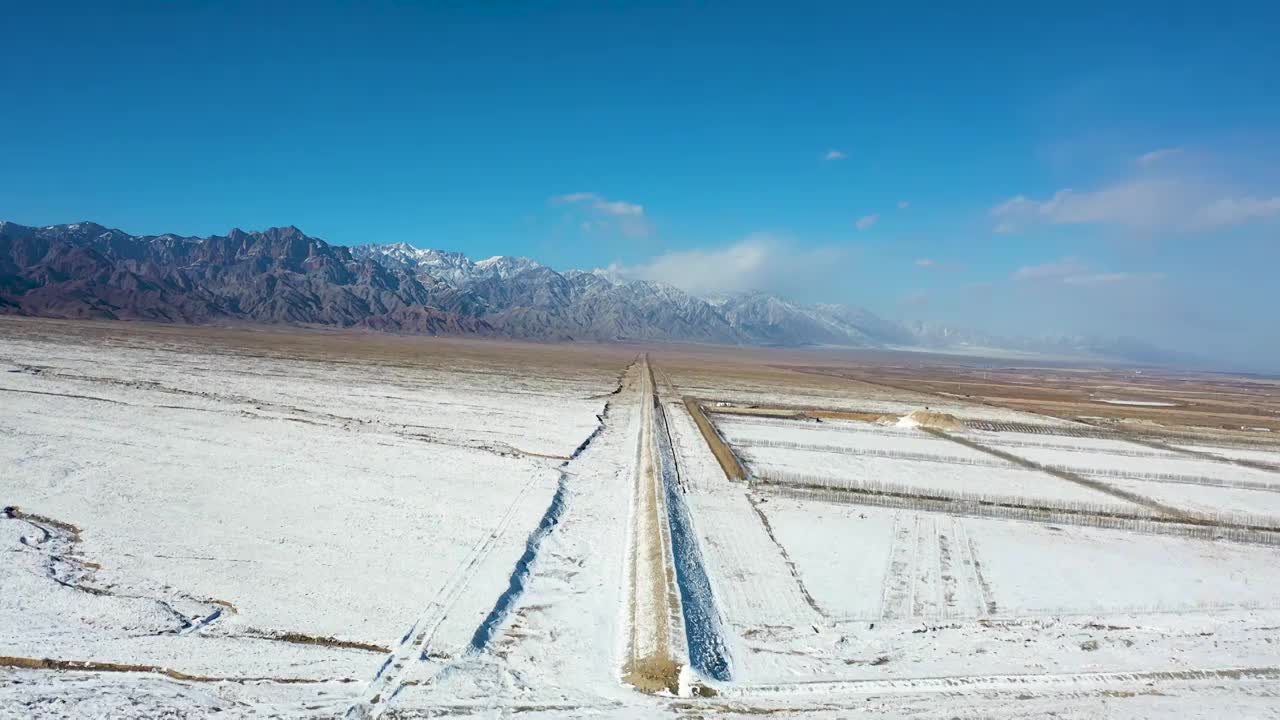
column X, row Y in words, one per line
column 282, row 275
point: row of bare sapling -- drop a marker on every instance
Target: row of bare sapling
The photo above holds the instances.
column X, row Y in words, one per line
column 1206, row 526
column 1033, row 429
column 1161, row 477
column 1171, row 606
column 852, row 426
column 1115, row 449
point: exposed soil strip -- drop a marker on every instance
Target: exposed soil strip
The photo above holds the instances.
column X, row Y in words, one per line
column 321, row 640
column 733, row 468
column 1070, row 477
column 652, row 663
column 27, row 663
column 17, row 513
column 1200, row 454
column 58, row 543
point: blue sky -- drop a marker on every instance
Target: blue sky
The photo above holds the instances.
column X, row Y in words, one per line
column 1108, row 170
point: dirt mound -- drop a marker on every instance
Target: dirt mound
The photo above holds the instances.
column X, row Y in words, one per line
column 930, row 419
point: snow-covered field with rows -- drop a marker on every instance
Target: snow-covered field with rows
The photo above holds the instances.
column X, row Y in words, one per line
column 243, row 523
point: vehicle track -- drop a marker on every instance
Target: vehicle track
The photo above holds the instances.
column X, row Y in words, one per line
column 896, row 595
column 414, row 644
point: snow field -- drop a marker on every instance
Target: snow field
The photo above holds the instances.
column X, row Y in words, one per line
column 477, row 404
column 1023, row 485
column 1271, row 457
column 1254, row 506
column 842, row 554
column 1173, row 465
column 275, row 522
column 1015, row 442
column 698, row 467
column 851, row 436
column 1042, row 569
column 784, row 389
column 244, row 516
column 563, row 641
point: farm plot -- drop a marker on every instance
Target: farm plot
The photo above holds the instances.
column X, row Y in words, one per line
column 1175, row 468
column 920, row 594
column 990, row 479
column 1018, row 441
column 842, row 554
column 485, row 401
column 1239, row 505
column 1035, row 569
column 847, row 438
column 224, row 529
column 1261, row 455
column 755, row 584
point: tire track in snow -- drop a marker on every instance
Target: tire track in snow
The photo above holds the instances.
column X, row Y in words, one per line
column 970, row 592
column 896, row 597
column 376, row 699
column 413, row 645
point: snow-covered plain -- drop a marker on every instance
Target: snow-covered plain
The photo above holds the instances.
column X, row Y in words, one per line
column 231, row 527
column 246, row 516
column 1270, row 457
column 1009, row 481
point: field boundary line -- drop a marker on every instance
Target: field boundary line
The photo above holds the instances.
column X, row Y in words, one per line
column 1070, row 477
column 957, row 683
column 1152, row 525
column 59, row 665
column 786, row 557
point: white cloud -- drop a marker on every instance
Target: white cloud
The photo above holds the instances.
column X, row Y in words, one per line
column 903, row 204
column 758, row 262
column 600, row 204
column 1050, row 271
column 1072, row 271
column 866, row 221
column 925, row 262
column 834, row 155
column 1156, row 156
column 1144, row 203
column 1232, row 211
column 627, row 218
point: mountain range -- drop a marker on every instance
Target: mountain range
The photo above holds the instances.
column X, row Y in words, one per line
column 282, row 275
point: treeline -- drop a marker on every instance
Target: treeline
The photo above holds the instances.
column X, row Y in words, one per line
column 1232, row 527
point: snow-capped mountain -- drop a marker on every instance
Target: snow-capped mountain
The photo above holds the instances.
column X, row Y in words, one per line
column 283, row 275
column 451, row 267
